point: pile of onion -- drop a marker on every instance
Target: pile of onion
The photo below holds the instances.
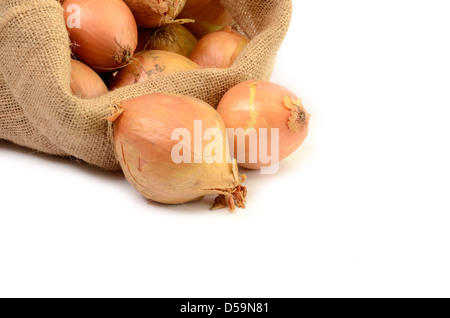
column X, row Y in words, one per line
column 209, row 16
column 150, row 64
column 171, row 37
column 260, row 104
column 84, row 82
column 149, row 140
column 219, row 49
column 155, row 13
column 103, row 33
column 174, row 149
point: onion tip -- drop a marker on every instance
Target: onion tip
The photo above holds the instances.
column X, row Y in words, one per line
column 299, row 116
column 228, row 198
column 239, row 194
column 124, row 55
column 117, row 111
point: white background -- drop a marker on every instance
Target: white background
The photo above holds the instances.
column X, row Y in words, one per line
column 362, row 209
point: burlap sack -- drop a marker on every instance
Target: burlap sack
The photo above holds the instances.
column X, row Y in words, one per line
column 38, row 111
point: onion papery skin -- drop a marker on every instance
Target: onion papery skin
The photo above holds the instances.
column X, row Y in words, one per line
column 172, row 37
column 209, row 16
column 107, row 36
column 151, row 64
column 219, row 49
column 262, row 104
column 84, row 82
column 155, row 13
column 143, row 141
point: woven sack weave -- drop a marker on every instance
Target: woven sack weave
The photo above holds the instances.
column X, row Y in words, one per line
column 38, row 111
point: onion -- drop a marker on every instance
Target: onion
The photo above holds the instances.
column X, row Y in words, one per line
column 103, row 33
column 219, row 49
column 209, row 16
column 148, row 144
column 150, row 64
column 259, row 104
column 172, row 37
column 84, row 82
column 154, row 13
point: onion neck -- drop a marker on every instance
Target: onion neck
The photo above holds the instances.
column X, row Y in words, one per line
column 124, row 56
column 227, row 197
column 299, row 118
column 238, row 194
